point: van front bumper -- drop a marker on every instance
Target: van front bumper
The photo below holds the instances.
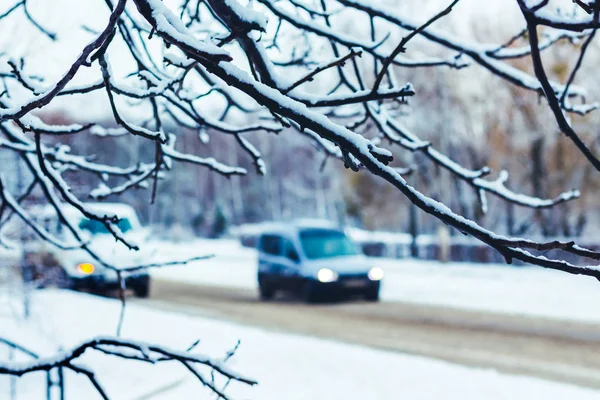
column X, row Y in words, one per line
column 102, row 282
column 348, row 284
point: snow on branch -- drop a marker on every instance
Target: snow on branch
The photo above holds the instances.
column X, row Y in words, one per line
column 127, row 350
column 554, row 99
column 397, row 133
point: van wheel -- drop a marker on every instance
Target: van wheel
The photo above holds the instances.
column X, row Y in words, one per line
column 142, row 291
column 141, row 287
column 308, row 293
column 266, row 292
column 63, row 280
column 372, row 294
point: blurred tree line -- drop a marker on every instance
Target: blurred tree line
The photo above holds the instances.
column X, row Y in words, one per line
column 475, row 124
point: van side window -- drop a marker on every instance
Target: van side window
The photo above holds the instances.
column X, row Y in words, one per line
column 290, row 252
column 271, row 244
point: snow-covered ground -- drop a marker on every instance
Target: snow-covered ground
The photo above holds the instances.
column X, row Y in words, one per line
column 498, row 288
column 287, row 366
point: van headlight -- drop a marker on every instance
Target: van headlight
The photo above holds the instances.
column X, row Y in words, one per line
column 86, row 268
column 326, row 275
column 376, row 274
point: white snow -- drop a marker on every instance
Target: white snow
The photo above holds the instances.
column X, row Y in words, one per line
column 170, row 24
column 287, row 366
column 232, row 266
column 248, row 14
column 494, row 287
column 209, row 162
column 497, row 288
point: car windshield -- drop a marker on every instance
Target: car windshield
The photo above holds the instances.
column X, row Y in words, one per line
column 325, row 243
column 97, row 227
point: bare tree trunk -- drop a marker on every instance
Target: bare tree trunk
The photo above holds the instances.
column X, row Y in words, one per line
column 414, row 230
column 537, row 179
column 413, row 222
column 320, row 196
column 237, row 199
column 510, row 219
column 564, row 209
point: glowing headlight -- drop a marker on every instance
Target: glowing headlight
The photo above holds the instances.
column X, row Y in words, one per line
column 376, row 274
column 86, row 268
column 326, row 275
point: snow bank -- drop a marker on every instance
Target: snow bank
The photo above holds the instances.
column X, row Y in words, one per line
column 491, row 287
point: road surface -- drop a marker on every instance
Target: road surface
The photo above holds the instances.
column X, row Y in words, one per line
column 563, row 351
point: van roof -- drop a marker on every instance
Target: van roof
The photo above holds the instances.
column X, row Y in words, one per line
column 291, row 227
column 48, row 210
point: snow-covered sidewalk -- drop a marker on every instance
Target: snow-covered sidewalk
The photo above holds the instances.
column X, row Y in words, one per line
column 287, row 366
column 497, row 288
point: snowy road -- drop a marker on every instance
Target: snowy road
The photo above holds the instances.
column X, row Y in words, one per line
column 567, row 351
column 480, row 287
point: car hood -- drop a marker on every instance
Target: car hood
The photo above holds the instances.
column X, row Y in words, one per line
column 342, row 265
column 116, row 253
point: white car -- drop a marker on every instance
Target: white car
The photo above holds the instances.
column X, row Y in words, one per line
column 47, row 265
column 314, row 261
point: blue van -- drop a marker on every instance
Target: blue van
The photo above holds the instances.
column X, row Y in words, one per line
column 314, row 261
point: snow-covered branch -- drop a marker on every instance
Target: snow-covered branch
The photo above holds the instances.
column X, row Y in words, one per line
column 201, row 68
column 127, row 350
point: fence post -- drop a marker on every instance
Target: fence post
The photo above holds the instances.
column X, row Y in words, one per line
column 13, row 379
column 61, row 382
column 444, row 243
column 49, row 385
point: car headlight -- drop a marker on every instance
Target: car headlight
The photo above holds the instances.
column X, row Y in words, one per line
column 86, row 268
column 376, row 274
column 325, row 275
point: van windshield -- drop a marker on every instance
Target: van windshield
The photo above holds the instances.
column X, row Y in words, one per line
column 97, row 227
column 325, row 243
